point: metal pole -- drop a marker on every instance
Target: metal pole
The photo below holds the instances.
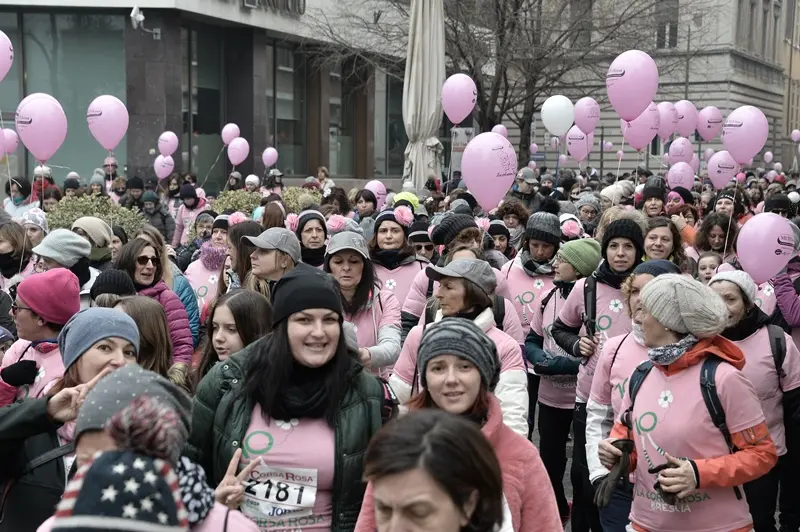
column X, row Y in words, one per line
column 688, row 48
column 602, row 148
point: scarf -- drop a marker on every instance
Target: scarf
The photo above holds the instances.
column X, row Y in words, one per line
column 9, row 264
column 100, row 255
column 390, row 259
column 753, row 320
column 304, row 395
column 533, row 268
column 638, row 333
column 564, row 287
column 212, row 257
column 609, row 277
column 81, row 271
column 313, row 257
column 469, row 314
column 172, row 193
column 197, row 496
column 667, row 354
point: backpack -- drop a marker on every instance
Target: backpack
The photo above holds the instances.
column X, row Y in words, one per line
column 498, row 309
column 590, row 305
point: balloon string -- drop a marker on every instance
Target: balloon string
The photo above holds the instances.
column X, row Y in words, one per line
column 730, row 220
column 619, row 159
column 660, row 161
column 212, row 166
column 8, row 163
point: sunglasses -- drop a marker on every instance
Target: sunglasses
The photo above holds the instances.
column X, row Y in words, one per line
column 142, row 261
column 421, row 247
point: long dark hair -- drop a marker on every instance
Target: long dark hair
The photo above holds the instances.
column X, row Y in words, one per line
column 710, row 221
column 155, row 347
column 337, row 194
column 128, row 254
column 678, row 255
column 242, row 250
column 269, row 371
column 252, row 314
column 365, row 289
column 23, row 185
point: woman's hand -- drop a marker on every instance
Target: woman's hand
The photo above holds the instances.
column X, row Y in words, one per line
column 679, row 479
column 364, row 356
column 230, row 491
column 587, row 345
column 679, row 221
column 609, row 455
column 170, row 251
column 63, row 406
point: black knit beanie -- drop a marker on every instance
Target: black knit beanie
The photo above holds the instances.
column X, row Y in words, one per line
column 545, row 227
column 450, row 226
column 304, row 288
column 624, row 229
column 135, row 183
column 497, row 228
column 469, row 198
column 220, row 222
column 418, row 232
column 685, row 195
column 778, row 201
column 188, row 192
column 305, row 217
column 113, row 282
column 653, row 191
column 71, row 183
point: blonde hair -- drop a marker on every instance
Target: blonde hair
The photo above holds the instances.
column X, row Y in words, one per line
column 107, row 300
column 180, row 375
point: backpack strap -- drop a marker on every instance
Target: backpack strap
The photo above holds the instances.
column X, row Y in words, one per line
column 616, row 351
column 634, row 384
column 708, row 387
column 590, row 304
column 547, row 298
column 429, row 293
column 777, row 343
column 49, row 456
column 499, row 310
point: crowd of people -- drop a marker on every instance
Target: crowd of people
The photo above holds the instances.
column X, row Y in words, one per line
column 350, row 362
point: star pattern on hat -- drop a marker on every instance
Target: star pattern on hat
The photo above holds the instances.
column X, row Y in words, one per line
column 147, row 505
column 129, row 511
column 119, row 469
column 150, row 478
column 109, row 494
column 139, row 464
column 131, row 485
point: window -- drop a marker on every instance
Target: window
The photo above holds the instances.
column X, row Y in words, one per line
column 751, row 30
column 396, row 129
column 10, row 93
column 765, row 19
column 286, row 104
column 776, row 15
column 791, row 5
column 741, row 21
column 341, row 126
column 667, row 24
column 74, row 58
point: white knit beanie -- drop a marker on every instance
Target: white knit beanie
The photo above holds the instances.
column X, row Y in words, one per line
column 685, row 306
column 740, row 279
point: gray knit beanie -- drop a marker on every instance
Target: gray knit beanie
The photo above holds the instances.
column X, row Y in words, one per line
column 589, row 199
column 117, row 390
column 740, row 279
column 91, row 325
column 685, row 306
column 462, row 338
column 544, row 226
column 64, row 247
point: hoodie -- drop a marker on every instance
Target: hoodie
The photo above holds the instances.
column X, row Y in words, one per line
column 184, row 221
column 670, row 417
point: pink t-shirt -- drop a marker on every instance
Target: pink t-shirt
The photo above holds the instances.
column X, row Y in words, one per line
column 612, row 320
column 760, row 370
column 400, row 279
column 765, row 298
column 556, row 391
column 291, row 490
column 610, row 381
column 524, row 292
column 50, row 364
column 670, row 416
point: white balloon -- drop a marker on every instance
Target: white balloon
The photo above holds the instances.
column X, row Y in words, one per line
column 558, row 114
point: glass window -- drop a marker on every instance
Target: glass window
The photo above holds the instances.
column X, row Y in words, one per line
column 289, row 111
column 10, row 93
column 271, row 99
column 397, row 138
column 341, row 126
column 381, row 122
column 75, row 58
column 206, row 90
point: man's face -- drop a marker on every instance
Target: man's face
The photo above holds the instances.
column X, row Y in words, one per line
column 136, row 193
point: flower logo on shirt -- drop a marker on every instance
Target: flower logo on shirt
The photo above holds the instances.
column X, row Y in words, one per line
column 288, row 425
column 615, row 305
column 212, row 279
column 538, row 284
column 768, row 290
column 39, row 375
column 390, row 284
column 665, row 399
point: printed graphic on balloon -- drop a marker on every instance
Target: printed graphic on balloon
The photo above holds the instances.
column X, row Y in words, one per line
column 108, row 120
column 745, row 133
column 765, row 245
column 167, row 143
column 489, row 164
column 632, row 83
column 41, row 125
column 709, row 123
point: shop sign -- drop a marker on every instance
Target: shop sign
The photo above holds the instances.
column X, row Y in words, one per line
column 289, row 7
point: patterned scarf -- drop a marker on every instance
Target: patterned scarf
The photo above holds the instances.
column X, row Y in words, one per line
column 198, row 497
column 667, row 354
column 533, row 268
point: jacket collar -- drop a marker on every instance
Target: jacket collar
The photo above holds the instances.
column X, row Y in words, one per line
column 485, row 319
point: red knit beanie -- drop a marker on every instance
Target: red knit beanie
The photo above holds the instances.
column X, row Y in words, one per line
column 53, row 295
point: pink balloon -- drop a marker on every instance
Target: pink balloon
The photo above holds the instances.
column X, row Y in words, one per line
column 771, row 175
column 707, row 154
column 587, row 114
column 163, row 165
column 500, row 129
column 669, row 120
column 562, row 159
column 778, row 167
column 230, row 132
column 379, row 189
column 41, row 125
column 167, row 143
column 608, row 146
column 796, row 135
column 695, row 164
column 768, row 157
column 459, row 95
column 681, row 175
column 681, row 150
column 765, row 245
column 10, row 141
column 578, row 143
column 534, row 148
column 632, row 83
column 554, row 143
column 238, row 150
column 108, row 120
column 6, row 55
column 745, row 132
column 687, row 117
column 270, row 157
column 620, row 153
column 709, row 122
column 638, row 133
column 721, row 169
column 740, row 177
column 489, row 165
column 532, row 165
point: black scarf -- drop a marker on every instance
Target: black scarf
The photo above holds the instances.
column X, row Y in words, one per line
column 390, row 258
column 565, row 287
column 81, row 271
column 753, row 320
column 313, row 257
column 469, row 314
column 9, row 264
column 609, row 277
column 305, row 395
column 172, row 193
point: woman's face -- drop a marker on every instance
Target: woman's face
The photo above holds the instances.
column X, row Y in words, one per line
column 347, row 267
column 251, row 187
column 658, row 243
column 653, row 206
column 146, row 264
column 716, row 238
column 424, row 249
column 219, row 237
column 635, row 298
column 390, row 236
column 6, row 247
column 511, row 221
column 564, row 271
column 69, row 192
column 453, row 383
column 96, row 188
column 268, row 264
column 724, row 205
column 49, row 204
column 605, row 202
column 174, row 185
column 109, row 352
column 321, row 175
column 689, row 217
column 313, row 235
column 621, row 254
column 364, row 207
column 231, row 253
column 587, row 213
column 224, row 334
column 314, row 336
column 450, row 295
column 34, row 234
column 655, row 334
column 674, row 200
column 15, row 192
column 706, row 268
column 116, row 245
column 500, row 243
column 731, row 294
column 540, row 250
column 28, row 324
column 412, row 501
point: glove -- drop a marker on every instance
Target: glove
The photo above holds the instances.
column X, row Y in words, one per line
column 20, row 373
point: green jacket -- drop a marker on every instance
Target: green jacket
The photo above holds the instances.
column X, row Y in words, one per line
column 220, row 419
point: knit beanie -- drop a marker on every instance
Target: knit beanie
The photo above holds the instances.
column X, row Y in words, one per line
column 731, row 194
column 653, row 191
column 656, row 267
column 91, row 325
column 113, row 282
column 545, row 227
column 624, row 228
column 64, row 247
column 686, row 195
column 221, row 222
column 306, row 216
column 205, row 217
column 252, row 180
column 497, row 228
column 460, row 206
column 462, row 338
column 778, row 201
column 447, row 230
column 402, row 216
column 36, row 217
column 588, row 199
column 150, row 196
column 583, row 254
column 685, row 306
column 303, row 288
column 54, row 295
column 188, row 192
column 418, row 233
column 135, row 183
column 613, row 193
column 98, row 231
column 742, row 280
column 71, row 183
column 408, row 199
column 97, row 179
column 470, row 199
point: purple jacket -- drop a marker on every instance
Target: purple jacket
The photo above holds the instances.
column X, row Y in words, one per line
column 177, row 320
column 785, row 294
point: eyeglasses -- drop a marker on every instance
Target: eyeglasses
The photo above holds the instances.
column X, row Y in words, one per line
column 143, row 260
column 15, row 308
column 425, row 247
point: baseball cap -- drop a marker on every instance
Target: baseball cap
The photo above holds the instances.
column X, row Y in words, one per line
column 478, row 272
column 527, row 175
column 347, row 240
column 278, row 238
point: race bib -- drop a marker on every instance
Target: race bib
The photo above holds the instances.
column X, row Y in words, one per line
column 279, row 493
